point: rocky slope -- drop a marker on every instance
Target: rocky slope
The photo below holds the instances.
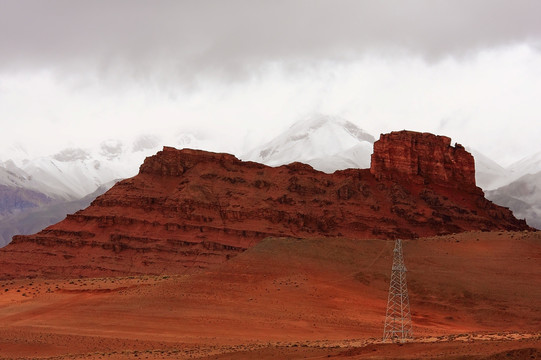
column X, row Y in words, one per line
column 190, row 208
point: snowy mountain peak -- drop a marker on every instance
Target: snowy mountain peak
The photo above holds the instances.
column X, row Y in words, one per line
column 489, row 174
column 528, row 165
column 327, row 143
column 73, row 172
column 313, row 124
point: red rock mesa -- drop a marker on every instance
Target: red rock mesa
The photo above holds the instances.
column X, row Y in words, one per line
column 189, row 209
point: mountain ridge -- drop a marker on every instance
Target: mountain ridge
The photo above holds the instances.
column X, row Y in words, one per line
column 327, row 143
column 191, row 209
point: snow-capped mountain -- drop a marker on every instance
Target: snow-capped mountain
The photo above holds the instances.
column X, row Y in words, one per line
column 326, row 143
column 36, row 192
column 528, row 165
column 517, row 186
column 489, row 174
column 34, row 219
column 522, row 196
column 71, row 173
column 76, row 172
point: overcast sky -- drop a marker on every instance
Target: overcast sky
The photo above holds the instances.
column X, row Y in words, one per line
column 74, row 73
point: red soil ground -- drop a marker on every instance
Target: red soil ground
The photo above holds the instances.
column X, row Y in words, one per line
column 474, row 295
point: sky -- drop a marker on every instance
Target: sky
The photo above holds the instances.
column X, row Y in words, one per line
column 237, row 73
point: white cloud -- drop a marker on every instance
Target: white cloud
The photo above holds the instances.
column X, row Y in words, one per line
column 487, row 100
column 237, row 72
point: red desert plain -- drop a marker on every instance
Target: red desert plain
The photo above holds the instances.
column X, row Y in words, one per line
column 474, row 295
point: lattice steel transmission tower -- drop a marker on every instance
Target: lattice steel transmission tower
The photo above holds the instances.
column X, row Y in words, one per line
column 398, row 318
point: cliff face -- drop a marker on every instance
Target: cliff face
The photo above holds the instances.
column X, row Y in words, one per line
column 424, row 158
column 191, row 209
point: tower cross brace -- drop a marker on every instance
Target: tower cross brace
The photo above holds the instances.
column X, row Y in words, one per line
column 398, row 317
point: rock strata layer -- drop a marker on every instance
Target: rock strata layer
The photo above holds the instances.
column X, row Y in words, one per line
column 191, row 209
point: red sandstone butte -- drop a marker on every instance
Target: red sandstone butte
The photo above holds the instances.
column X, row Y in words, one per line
column 190, row 209
column 422, row 157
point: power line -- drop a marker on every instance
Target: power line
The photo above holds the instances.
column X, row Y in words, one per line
column 398, row 318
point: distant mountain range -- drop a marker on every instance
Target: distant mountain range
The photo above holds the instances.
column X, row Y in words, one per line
column 29, row 187
column 33, row 219
column 522, row 196
column 190, row 209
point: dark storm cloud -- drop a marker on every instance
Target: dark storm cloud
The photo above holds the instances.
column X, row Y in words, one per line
column 227, row 37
